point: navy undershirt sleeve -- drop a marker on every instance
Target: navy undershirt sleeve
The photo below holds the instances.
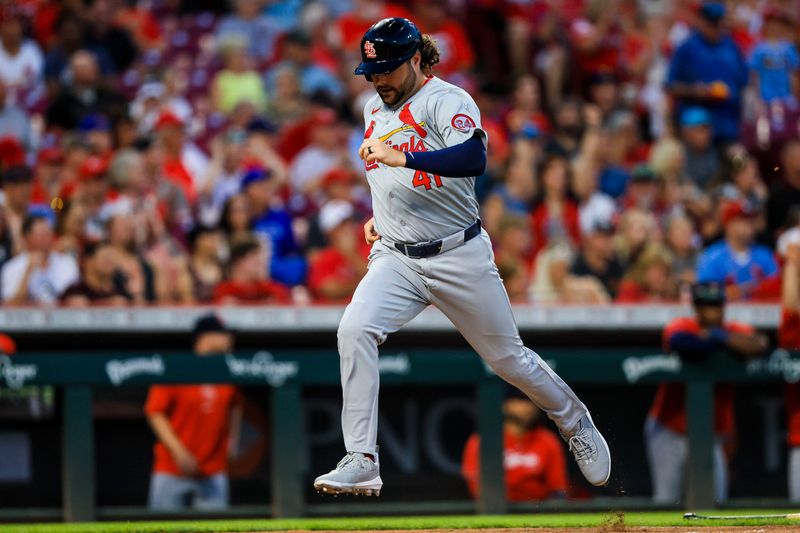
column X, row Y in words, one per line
column 460, row 161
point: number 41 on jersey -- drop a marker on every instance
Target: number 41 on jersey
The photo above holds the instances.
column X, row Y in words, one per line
column 423, row 179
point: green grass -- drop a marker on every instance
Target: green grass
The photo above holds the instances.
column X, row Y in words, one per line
column 665, row 518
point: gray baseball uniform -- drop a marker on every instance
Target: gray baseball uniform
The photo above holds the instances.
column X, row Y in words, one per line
column 415, row 207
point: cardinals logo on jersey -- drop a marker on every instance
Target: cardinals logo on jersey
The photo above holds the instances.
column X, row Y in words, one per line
column 409, row 123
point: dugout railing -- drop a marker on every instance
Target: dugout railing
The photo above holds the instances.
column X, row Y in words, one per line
column 286, row 372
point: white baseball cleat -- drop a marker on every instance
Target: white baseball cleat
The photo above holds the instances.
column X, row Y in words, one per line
column 590, row 451
column 354, row 474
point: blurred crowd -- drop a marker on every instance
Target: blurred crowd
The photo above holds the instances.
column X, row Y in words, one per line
column 175, row 152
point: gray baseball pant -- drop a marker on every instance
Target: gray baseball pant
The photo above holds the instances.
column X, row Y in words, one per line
column 464, row 284
column 667, row 452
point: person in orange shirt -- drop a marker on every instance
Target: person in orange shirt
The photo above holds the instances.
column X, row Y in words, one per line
column 789, row 339
column 694, row 339
column 534, row 459
column 197, row 427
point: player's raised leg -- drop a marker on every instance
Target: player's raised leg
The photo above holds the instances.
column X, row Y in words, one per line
column 470, row 292
column 390, row 295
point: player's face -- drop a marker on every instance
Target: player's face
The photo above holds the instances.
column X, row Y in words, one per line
column 710, row 315
column 396, row 86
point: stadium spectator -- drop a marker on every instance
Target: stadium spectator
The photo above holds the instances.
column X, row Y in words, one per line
column 554, row 283
column 324, row 153
column 702, row 159
column 91, row 191
column 95, row 131
column 683, row 244
column 38, row 275
column 21, row 59
column 83, row 93
column 455, row 50
column 786, row 193
column 515, row 194
column 594, row 206
column 789, row 339
column 247, row 281
column 350, row 26
column 708, row 70
column 649, row 279
column 735, row 261
column 287, row 102
column 223, row 176
column 637, row 229
column 567, row 129
column 69, row 39
column 743, row 183
column 17, row 190
column 260, row 32
column 49, row 175
column 139, row 23
column 237, row 82
column 198, row 428
column 514, row 246
column 6, row 243
column 774, row 61
column 533, row 456
column 205, row 263
column 334, row 271
column 183, row 162
column 273, row 226
column 235, row 219
column 138, row 273
column 526, row 107
column 70, row 228
column 643, row 191
column 100, row 282
column 14, row 121
column 555, row 215
column 695, row 339
column 104, row 33
column 598, row 259
column 314, row 80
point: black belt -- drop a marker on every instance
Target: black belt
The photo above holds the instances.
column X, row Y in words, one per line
column 429, row 249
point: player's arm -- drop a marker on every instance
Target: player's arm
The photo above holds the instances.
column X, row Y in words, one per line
column 696, row 345
column 790, row 286
column 462, row 160
column 182, row 456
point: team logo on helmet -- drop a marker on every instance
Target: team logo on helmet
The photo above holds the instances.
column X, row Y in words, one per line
column 369, row 50
column 463, row 123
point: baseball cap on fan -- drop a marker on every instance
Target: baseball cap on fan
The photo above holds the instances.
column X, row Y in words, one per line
column 333, row 214
column 734, row 210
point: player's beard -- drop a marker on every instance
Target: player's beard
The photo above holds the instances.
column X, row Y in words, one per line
column 393, row 96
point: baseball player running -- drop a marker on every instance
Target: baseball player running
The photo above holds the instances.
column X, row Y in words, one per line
column 423, row 147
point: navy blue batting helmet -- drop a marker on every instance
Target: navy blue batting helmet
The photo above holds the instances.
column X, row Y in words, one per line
column 388, row 44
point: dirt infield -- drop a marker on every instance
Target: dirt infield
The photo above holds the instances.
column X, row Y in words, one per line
column 606, row 528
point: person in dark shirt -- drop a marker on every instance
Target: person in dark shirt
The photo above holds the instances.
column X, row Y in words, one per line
column 100, row 283
column 103, row 33
column 708, row 70
column 785, row 195
column 598, row 258
column 84, row 95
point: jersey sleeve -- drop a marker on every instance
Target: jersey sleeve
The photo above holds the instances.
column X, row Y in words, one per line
column 159, row 399
column 678, row 325
column 457, row 118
